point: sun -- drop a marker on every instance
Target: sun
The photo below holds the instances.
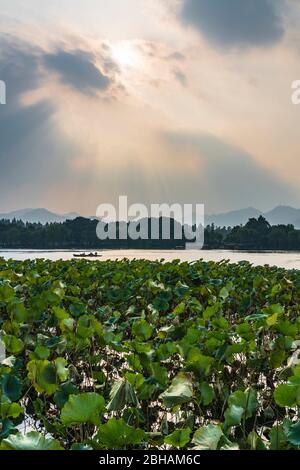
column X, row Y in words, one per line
column 126, row 54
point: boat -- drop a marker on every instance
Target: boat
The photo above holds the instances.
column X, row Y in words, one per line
column 87, row 255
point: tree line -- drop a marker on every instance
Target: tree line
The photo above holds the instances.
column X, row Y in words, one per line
column 80, row 233
column 256, row 234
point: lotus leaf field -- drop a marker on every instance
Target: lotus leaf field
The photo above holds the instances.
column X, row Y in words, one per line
column 148, row 355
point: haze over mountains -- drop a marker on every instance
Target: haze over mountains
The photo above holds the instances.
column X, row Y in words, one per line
column 279, row 215
column 38, row 215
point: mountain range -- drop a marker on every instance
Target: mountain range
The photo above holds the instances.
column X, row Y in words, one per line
column 38, row 215
column 279, row 215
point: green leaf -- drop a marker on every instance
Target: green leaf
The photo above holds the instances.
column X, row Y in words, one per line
column 31, row 441
column 122, row 393
column 276, row 308
column 116, row 434
column 142, row 330
column 207, row 393
column 179, row 438
column 272, row 319
column 198, row 361
column 244, row 330
column 287, row 328
column 11, row 387
column 223, row 293
column 135, row 379
column 210, row 311
column 61, row 369
column 6, row 293
column 286, row 395
column 7, row 427
column 13, row 345
column 233, row 415
column 64, row 391
column 246, row 400
column 60, row 313
column 85, row 328
column 83, row 408
column 181, row 289
column 67, row 324
column 293, row 435
column 241, row 404
column 255, row 441
column 42, row 352
column 278, row 438
column 180, row 391
column 19, row 312
column 160, row 374
column 207, row 437
column 10, row 410
column 161, row 304
column 43, row 376
column 179, row 309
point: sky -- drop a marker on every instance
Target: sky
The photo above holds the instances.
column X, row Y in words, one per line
column 164, row 101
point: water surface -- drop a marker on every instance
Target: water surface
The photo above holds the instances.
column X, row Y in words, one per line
column 288, row 260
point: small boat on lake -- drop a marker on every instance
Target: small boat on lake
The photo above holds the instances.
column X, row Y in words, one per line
column 87, row 255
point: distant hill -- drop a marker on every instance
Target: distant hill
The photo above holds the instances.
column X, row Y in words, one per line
column 232, row 218
column 38, row 215
column 279, row 215
column 283, row 215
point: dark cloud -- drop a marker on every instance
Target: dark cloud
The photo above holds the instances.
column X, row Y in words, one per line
column 235, row 22
column 226, row 176
column 33, row 152
column 20, row 71
column 78, row 70
column 18, row 68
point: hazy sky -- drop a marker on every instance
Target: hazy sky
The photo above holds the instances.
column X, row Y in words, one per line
column 161, row 100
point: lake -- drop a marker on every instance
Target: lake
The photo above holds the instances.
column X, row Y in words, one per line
column 288, row 260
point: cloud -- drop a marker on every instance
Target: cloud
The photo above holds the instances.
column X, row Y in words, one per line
column 18, row 68
column 78, row 70
column 49, row 156
column 32, row 149
column 235, row 22
column 63, row 150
